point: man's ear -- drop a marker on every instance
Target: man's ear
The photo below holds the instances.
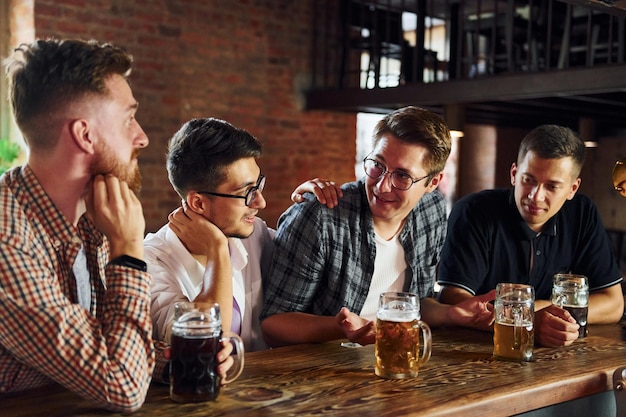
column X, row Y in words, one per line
column 81, row 135
column 434, row 182
column 196, row 203
column 575, row 187
column 513, row 173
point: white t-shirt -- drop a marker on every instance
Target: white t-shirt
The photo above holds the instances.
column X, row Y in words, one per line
column 389, row 273
column 83, row 283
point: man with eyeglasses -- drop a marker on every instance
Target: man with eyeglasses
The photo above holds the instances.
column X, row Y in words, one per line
column 214, row 248
column 385, row 234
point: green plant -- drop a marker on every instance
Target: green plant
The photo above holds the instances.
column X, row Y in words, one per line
column 9, row 151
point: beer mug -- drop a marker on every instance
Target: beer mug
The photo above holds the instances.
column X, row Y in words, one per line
column 571, row 293
column 398, row 328
column 514, row 331
column 196, row 339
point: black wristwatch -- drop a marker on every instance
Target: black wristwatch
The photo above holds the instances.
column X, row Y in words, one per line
column 130, row 262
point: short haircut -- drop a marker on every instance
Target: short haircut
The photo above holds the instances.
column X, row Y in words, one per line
column 47, row 76
column 418, row 126
column 554, row 142
column 200, row 151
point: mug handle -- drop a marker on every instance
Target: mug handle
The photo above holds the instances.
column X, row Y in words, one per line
column 427, row 343
column 239, row 353
column 518, row 317
column 558, row 300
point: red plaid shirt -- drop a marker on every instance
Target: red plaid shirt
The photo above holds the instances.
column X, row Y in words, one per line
column 105, row 354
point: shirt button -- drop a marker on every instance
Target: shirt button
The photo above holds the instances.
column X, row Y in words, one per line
column 538, row 253
column 56, row 243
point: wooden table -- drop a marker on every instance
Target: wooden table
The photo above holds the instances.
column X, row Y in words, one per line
column 461, row 379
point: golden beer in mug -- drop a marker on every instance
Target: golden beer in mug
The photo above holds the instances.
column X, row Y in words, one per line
column 508, row 345
column 514, row 330
column 398, row 328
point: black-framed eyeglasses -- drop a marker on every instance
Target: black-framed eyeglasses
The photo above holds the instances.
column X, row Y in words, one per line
column 399, row 180
column 250, row 195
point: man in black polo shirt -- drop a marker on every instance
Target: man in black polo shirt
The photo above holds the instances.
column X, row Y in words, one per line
column 528, row 234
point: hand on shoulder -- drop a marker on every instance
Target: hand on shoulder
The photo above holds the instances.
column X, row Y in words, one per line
column 326, row 191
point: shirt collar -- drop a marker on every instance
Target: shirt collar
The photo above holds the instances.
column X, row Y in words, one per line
column 175, row 249
column 56, row 225
column 238, row 254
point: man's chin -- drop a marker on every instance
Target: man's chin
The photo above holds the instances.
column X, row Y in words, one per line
column 242, row 233
column 133, row 180
column 136, row 188
column 134, row 183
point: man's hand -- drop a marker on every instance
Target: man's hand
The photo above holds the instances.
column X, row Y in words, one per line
column 555, row 327
column 225, row 360
column 475, row 312
column 326, row 191
column 117, row 213
column 356, row 328
column 198, row 234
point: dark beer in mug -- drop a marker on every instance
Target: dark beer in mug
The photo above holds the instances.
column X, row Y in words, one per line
column 580, row 314
column 193, row 369
column 571, row 293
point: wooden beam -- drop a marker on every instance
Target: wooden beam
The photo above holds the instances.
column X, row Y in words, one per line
column 579, row 81
column 616, row 7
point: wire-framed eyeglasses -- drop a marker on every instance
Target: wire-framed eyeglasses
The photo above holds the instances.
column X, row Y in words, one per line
column 250, row 195
column 399, row 180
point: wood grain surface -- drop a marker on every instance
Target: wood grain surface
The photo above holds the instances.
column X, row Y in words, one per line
column 461, row 379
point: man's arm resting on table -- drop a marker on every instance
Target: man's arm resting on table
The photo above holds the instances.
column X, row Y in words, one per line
column 293, row 328
column 606, row 306
column 553, row 326
column 474, row 312
column 450, row 294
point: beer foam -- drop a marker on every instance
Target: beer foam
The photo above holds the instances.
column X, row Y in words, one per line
column 398, row 315
column 505, row 321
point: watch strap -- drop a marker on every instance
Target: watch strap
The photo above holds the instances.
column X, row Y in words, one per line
column 131, row 262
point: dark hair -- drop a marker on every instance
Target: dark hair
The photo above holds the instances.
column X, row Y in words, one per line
column 47, row 75
column 415, row 125
column 554, row 142
column 201, row 150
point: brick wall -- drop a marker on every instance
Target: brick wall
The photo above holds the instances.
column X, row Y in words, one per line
column 244, row 61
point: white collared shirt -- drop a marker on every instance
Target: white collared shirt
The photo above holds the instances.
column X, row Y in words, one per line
column 178, row 276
